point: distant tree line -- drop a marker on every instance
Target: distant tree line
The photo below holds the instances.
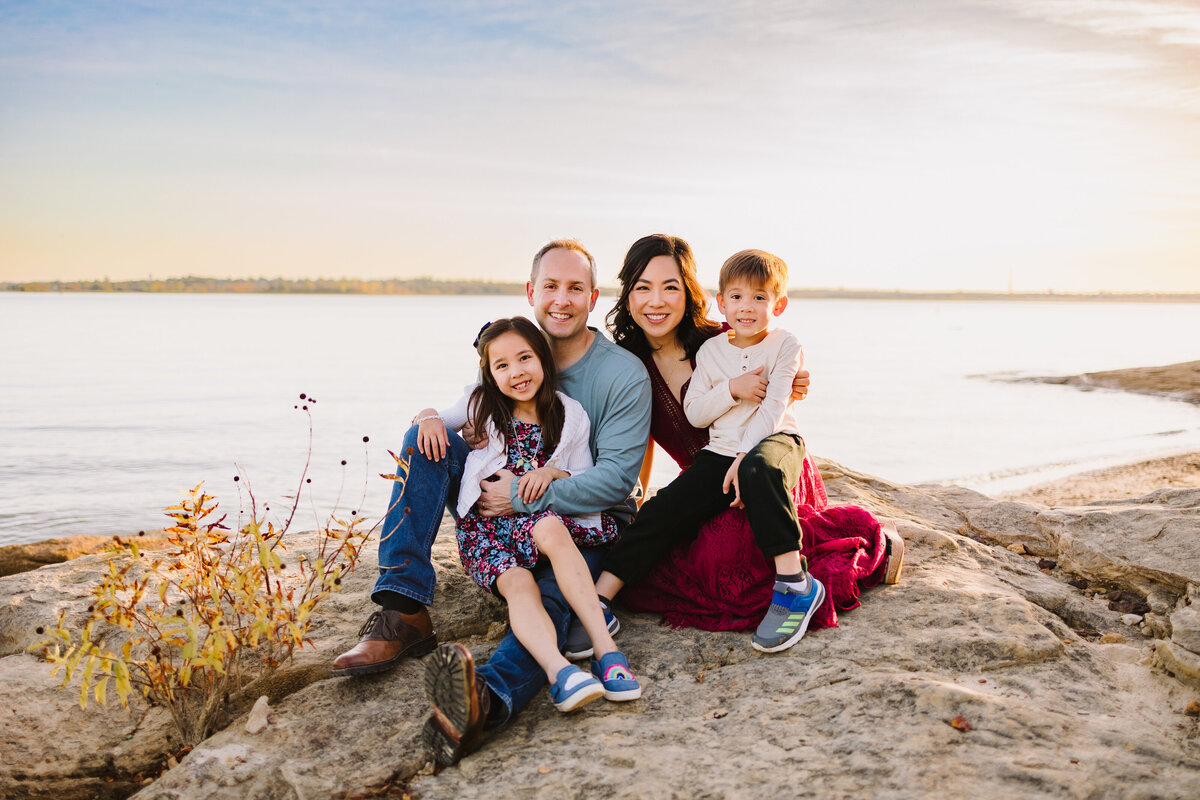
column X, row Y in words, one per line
column 427, row 285
column 191, row 283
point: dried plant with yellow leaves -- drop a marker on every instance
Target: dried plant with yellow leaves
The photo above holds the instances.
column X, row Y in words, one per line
column 200, row 621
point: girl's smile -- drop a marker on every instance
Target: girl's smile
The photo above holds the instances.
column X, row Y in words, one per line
column 515, row 368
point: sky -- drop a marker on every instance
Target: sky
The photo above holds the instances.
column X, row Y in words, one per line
column 927, row 145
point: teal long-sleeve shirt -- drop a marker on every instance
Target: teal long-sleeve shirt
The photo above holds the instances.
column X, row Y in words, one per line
column 612, row 386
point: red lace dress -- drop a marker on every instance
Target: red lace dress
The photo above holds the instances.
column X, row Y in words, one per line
column 720, row 581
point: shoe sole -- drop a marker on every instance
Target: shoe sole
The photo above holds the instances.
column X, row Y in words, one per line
column 895, row 553
column 581, row 697
column 579, row 655
column 414, row 650
column 449, row 685
column 795, row 637
column 445, row 752
column 623, row 696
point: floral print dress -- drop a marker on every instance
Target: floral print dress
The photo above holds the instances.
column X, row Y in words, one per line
column 490, row 546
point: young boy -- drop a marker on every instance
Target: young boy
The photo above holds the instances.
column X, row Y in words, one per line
column 759, row 437
column 754, row 456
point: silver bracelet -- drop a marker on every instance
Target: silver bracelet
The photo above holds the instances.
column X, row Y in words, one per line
column 419, row 420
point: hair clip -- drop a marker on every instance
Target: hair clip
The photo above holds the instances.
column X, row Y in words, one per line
column 475, row 343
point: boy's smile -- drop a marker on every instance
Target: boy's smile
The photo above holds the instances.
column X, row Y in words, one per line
column 748, row 310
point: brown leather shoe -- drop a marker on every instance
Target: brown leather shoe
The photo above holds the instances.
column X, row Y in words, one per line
column 460, row 704
column 387, row 637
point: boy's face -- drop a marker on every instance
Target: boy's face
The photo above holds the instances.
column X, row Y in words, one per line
column 748, row 308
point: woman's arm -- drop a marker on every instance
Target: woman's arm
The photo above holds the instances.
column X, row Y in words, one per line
column 644, row 475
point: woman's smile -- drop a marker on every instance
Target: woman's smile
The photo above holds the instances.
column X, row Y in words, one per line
column 657, row 302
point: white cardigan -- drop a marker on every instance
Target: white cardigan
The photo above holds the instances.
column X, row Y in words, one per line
column 573, row 454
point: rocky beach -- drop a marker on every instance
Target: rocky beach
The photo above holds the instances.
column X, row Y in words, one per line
column 1042, row 645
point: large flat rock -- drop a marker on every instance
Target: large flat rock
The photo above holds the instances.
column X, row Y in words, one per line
column 974, row 630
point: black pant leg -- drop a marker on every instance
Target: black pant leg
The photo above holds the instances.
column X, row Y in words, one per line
column 766, row 478
column 674, row 514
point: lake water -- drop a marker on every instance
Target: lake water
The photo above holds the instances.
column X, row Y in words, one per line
column 110, row 404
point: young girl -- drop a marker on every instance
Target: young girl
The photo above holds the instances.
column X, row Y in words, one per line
column 541, row 435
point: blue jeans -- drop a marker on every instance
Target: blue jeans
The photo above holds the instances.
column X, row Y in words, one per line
column 405, row 566
column 414, row 516
column 511, row 673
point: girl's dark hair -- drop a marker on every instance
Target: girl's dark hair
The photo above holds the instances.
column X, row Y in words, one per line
column 695, row 328
column 488, row 402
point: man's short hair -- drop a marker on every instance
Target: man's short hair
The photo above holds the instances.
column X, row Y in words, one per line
column 565, row 244
column 758, row 266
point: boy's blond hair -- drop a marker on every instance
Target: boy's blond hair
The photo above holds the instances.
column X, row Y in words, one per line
column 760, row 267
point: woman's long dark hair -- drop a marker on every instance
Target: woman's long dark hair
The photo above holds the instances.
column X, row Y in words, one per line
column 488, row 402
column 694, row 329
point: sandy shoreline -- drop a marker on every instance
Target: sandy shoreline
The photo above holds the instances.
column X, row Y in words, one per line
column 1114, row 483
column 1177, row 381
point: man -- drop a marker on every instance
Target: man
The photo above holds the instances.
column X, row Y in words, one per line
column 613, row 388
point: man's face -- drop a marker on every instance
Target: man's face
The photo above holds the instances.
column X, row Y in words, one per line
column 562, row 294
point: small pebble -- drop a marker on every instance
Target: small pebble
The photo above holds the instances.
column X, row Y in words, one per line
column 1193, row 709
column 1017, row 548
column 1112, row 638
column 1131, row 619
column 258, row 715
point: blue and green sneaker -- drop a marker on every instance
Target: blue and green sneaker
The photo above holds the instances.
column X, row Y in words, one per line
column 788, row 617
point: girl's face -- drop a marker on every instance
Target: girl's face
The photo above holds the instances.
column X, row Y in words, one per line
column 515, row 367
column 657, row 302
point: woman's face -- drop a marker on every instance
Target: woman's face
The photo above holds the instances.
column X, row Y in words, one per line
column 657, row 301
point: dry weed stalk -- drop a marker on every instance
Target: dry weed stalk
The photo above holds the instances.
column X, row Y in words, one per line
column 207, row 617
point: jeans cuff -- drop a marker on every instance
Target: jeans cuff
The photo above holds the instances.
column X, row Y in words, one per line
column 500, row 713
column 425, row 599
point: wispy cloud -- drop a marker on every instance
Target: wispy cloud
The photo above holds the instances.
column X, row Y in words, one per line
column 939, row 126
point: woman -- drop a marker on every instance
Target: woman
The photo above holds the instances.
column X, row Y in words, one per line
column 721, row 581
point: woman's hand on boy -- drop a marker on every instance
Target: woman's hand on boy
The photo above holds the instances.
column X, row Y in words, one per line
column 533, row 484
column 800, row 385
column 431, row 436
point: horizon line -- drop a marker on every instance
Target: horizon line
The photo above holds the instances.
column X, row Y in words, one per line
column 412, row 286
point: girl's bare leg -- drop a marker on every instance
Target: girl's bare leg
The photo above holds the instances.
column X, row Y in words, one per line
column 529, row 620
column 574, row 580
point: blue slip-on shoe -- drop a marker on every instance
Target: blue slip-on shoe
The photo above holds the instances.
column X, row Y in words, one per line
column 573, row 688
column 579, row 644
column 788, row 617
column 614, row 672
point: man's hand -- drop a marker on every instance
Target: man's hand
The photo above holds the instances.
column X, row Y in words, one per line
column 475, row 442
column 731, row 480
column 533, row 484
column 800, row 386
column 431, row 436
column 752, row 386
column 496, row 497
